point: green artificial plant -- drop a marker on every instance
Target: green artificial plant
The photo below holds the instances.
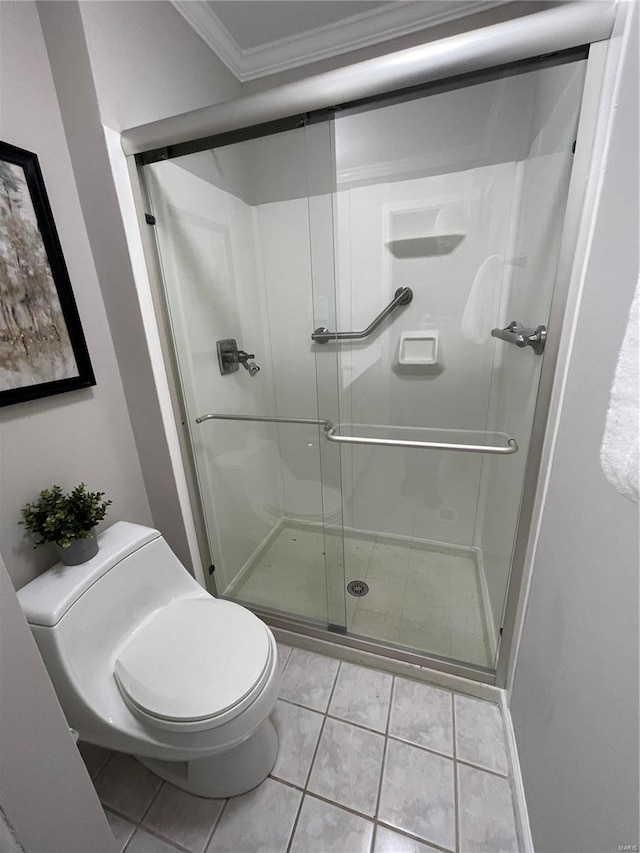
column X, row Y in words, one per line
column 58, row 517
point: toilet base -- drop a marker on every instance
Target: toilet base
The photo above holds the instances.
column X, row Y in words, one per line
column 225, row 774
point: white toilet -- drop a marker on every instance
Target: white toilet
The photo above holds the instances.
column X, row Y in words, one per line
column 145, row 661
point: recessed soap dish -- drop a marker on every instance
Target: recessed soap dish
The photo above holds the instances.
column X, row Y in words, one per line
column 418, row 348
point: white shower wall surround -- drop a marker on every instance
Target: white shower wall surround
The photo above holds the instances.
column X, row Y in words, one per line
column 235, row 227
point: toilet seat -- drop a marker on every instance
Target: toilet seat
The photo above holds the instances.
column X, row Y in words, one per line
column 196, row 664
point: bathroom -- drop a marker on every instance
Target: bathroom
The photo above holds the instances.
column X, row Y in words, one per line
column 68, row 70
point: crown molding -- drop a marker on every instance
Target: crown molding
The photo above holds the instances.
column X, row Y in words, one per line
column 391, row 21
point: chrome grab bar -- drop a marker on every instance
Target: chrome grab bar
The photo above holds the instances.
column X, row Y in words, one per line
column 330, row 434
column 402, row 296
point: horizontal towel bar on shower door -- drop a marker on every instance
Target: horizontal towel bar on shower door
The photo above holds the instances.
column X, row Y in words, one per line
column 330, row 434
column 510, row 447
column 265, row 419
column 402, row 296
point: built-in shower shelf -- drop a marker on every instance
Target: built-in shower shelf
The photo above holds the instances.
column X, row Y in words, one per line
column 424, row 247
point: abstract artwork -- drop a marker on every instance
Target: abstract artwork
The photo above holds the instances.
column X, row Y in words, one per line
column 42, row 346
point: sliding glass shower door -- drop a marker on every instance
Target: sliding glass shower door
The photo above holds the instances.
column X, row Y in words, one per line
column 239, row 235
column 389, row 268
column 459, row 196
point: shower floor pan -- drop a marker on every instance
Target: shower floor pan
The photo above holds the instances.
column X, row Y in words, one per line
column 423, row 595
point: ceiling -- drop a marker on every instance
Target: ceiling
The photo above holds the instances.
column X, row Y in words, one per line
column 259, row 37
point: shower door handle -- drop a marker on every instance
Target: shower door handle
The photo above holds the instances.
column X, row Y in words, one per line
column 516, row 334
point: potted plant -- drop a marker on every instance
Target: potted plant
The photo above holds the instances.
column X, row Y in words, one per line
column 67, row 520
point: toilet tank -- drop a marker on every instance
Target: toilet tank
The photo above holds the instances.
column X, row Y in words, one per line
column 133, row 574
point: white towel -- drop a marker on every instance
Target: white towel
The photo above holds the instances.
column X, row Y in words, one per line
column 619, row 455
column 480, row 311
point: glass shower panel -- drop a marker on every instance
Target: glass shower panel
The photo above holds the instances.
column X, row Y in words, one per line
column 459, row 195
column 233, row 231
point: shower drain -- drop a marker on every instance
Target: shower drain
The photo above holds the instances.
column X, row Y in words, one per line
column 357, row 588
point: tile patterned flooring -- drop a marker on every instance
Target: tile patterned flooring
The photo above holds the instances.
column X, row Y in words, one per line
column 368, row 763
column 421, row 595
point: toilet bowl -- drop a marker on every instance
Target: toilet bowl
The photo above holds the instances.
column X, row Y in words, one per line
column 145, row 661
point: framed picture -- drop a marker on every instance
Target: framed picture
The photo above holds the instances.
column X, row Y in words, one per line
column 42, row 347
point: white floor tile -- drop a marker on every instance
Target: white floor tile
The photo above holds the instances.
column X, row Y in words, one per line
column 486, row 812
column 418, row 794
column 258, row 822
column 122, row 829
column 94, row 757
column 327, row 828
column 126, row 786
column 423, row 715
column 298, row 731
column 183, row 818
column 284, row 652
column 362, row 696
column 347, row 766
column 388, row 841
column 480, row 734
column 144, row 842
column 308, row 679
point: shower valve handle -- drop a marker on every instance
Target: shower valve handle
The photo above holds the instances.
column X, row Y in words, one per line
column 230, row 358
column 251, row 366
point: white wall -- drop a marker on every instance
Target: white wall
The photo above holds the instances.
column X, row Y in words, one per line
column 575, row 694
column 45, row 791
column 162, row 67
column 148, row 63
column 82, row 435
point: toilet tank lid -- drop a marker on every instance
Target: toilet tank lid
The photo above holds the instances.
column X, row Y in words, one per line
column 47, row 598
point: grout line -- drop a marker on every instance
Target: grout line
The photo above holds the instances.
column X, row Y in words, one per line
column 341, row 806
column 303, row 707
column 322, row 727
column 153, row 799
column 284, row 665
column 216, row 824
column 456, row 793
column 160, row 837
column 286, row 782
column 102, row 766
column 484, row 769
column 99, row 772
column 295, row 822
column 383, row 765
column 117, row 813
column 315, row 753
column 334, row 717
column 372, row 843
column 421, row 747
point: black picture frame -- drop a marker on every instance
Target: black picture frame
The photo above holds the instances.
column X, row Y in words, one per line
column 43, row 350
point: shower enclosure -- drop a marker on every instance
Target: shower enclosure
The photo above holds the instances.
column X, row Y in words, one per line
column 389, row 267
